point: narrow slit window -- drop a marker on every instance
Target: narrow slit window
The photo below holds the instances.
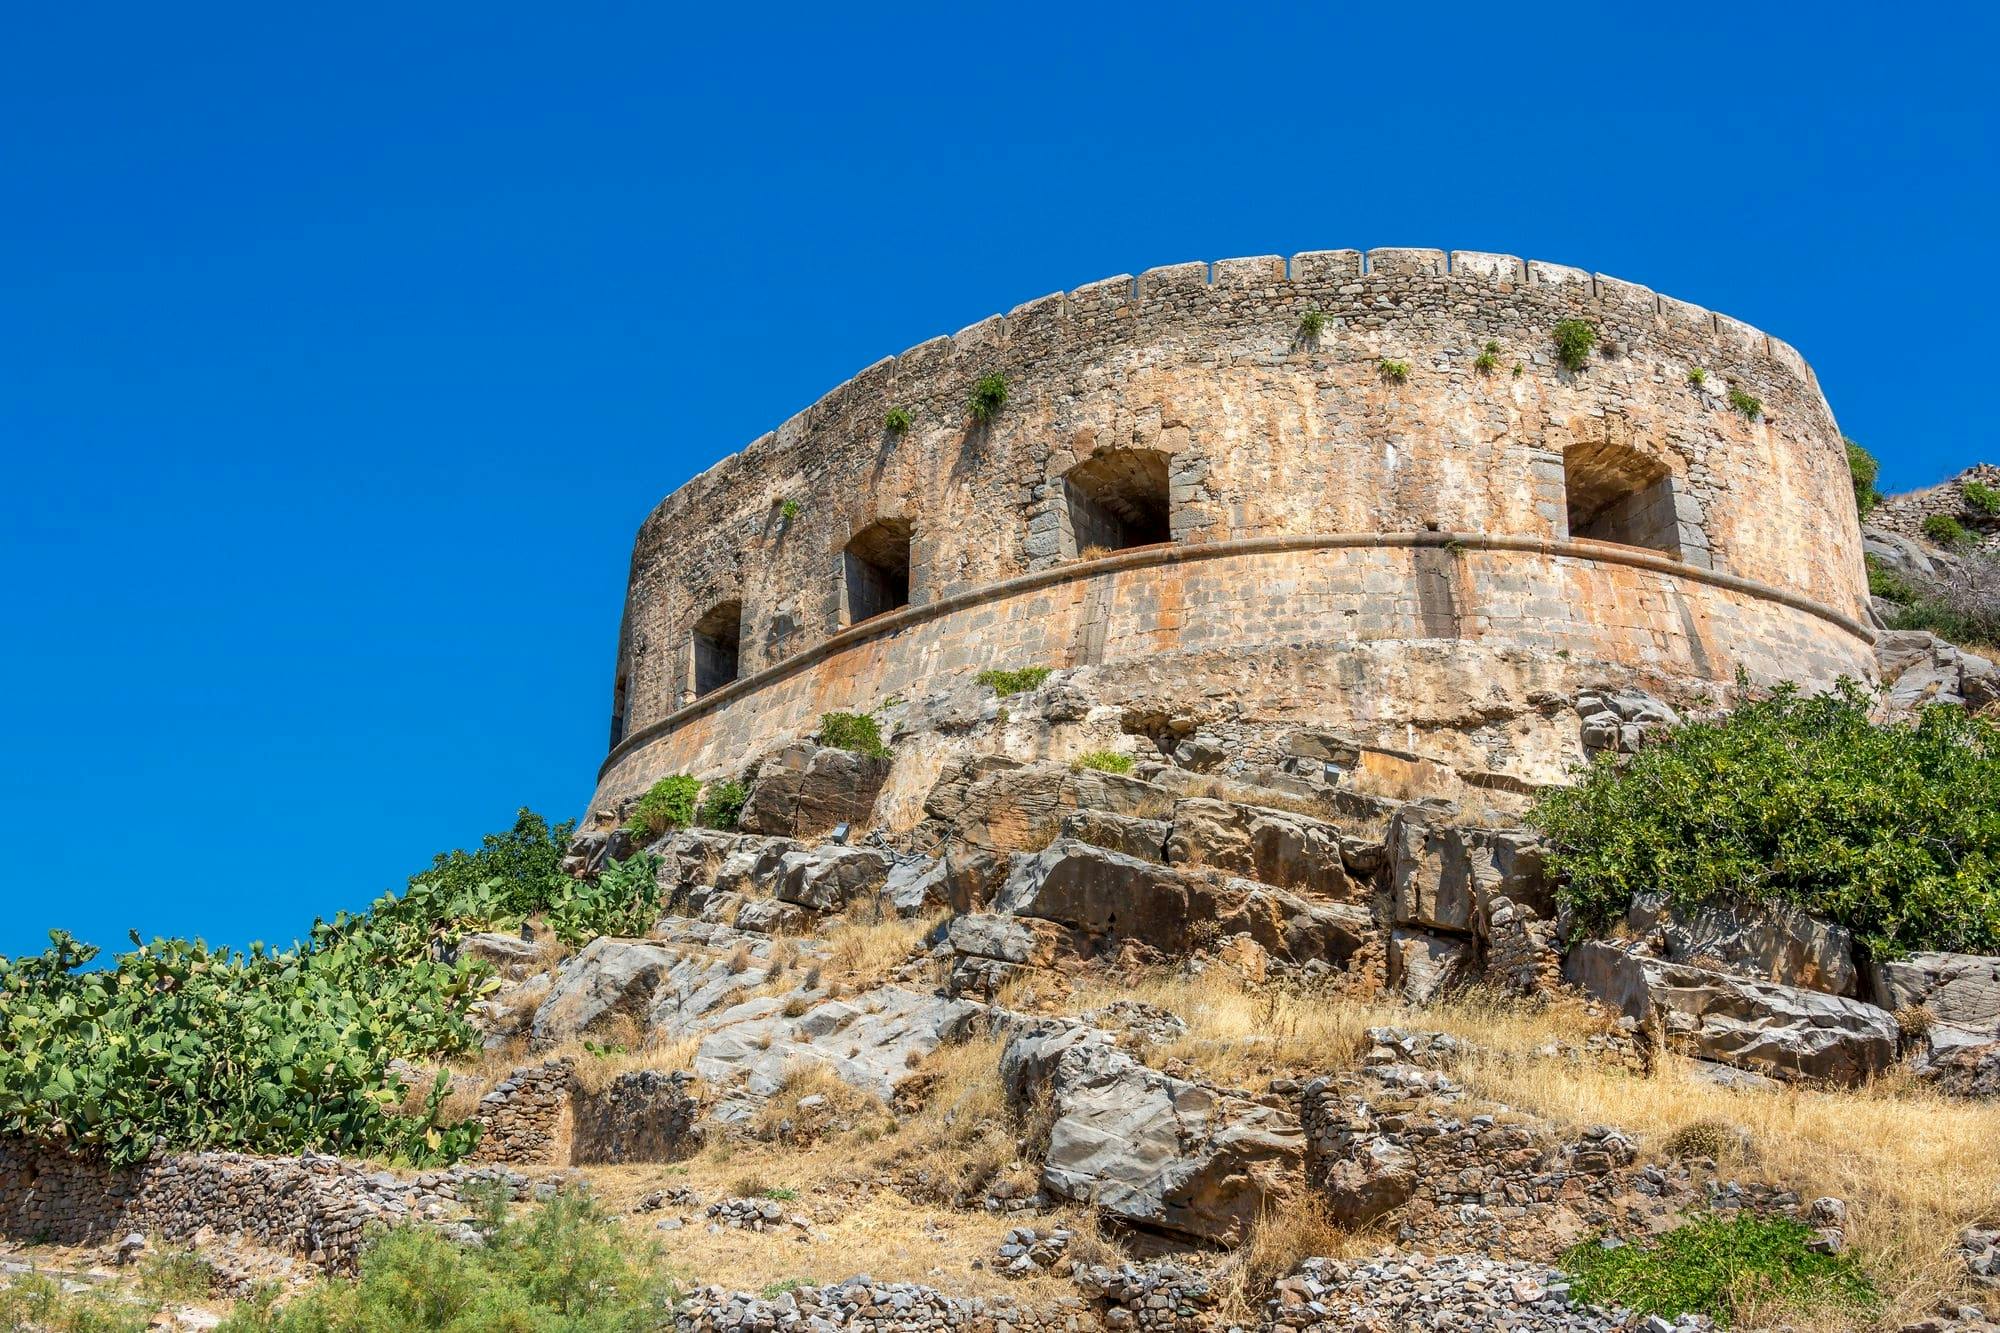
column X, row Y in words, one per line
column 876, row 569
column 1116, row 500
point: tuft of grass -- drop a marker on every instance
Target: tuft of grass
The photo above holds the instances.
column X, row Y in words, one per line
column 33, row 1303
column 1394, row 371
column 1749, row 406
column 859, row 732
column 1697, row 377
column 1488, row 358
column 1018, row 680
column 1104, row 761
column 176, row 1275
column 1722, row 1265
column 1519, row 370
column 1574, row 340
column 1863, row 468
column 989, row 395
column 1700, row 1138
column 896, row 421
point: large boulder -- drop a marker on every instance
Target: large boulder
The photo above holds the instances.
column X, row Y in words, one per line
column 1423, row 966
column 1960, row 990
column 1002, row 804
column 1783, row 1031
column 1766, row 941
column 806, row 790
column 609, row 981
column 1009, row 939
column 870, row 1041
column 826, row 879
column 1444, row 876
column 1919, row 668
column 1110, row 898
column 1150, row 1150
column 1272, row 846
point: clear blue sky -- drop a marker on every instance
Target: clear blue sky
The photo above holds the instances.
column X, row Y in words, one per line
column 341, row 353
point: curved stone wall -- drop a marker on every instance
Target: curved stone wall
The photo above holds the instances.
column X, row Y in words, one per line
column 1362, row 534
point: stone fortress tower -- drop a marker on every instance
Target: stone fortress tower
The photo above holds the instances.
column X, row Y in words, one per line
column 1224, row 514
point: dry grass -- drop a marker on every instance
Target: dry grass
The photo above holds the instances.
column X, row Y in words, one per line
column 1289, row 1230
column 863, row 947
column 843, row 1103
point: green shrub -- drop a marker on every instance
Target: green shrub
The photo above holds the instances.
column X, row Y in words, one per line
column 1893, row 831
column 566, row 1268
column 896, row 421
column 34, row 1303
column 1311, row 325
column 1574, row 340
column 1750, row 407
column 176, row 1275
column 1887, row 584
column 1964, row 608
column 667, row 805
column 1697, row 377
column 853, row 731
column 1946, row 530
column 1717, row 1265
column 623, row 900
column 1395, row 371
column 1104, row 761
column 1488, row 358
column 1519, row 370
column 722, row 804
column 1862, row 467
column 1017, row 681
column 788, row 509
column 1982, row 499
column 989, row 395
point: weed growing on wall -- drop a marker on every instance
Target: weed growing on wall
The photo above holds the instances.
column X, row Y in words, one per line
column 1574, row 340
column 1982, row 499
column 788, row 510
column 1394, row 371
column 1946, row 530
column 858, row 732
column 1750, row 407
column 1103, row 761
column 989, row 395
column 1863, row 469
column 1697, row 377
column 1016, row 681
column 1887, row 829
column 1311, row 324
column 896, row 421
column 722, row 804
column 1488, row 358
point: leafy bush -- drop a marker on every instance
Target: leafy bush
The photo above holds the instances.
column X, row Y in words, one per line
column 1982, row 499
column 853, row 731
column 1946, row 530
column 1893, row 831
column 1016, row 681
column 667, row 805
column 1311, row 325
column 722, row 804
column 1863, row 468
column 1750, row 407
column 1715, row 1266
column 268, row 1050
column 1488, row 358
column 989, row 395
column 1104, row 761
column 788, row 509
column 624, row 900
column 1697, row 377
column 566, row 1268
column 1394, row 371
column 1574, row 340
column 896, row 420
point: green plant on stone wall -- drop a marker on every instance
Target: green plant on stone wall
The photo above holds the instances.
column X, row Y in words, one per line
column 1749, row 406
column 722, row 804
column 896, row 421
column 1103, row 761
column 1947, row 531
column 989, row 395
column 789, row 510
column 667, row 805
column 858, row 732
column 1015, row 681
column 1519, row 370
column 1863, row 469
column 1311, row 324
column 1982, row 499
column 1697, row 377
column 1394, row 371
column 1488, row 358
column 1574, row 341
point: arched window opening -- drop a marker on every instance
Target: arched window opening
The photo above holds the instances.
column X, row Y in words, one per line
column 876, row 569
column 718, row 640
column 1117, row 499
column 618, row 711
column 1616, row 494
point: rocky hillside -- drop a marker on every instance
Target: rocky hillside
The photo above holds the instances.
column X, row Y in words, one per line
column 1022, row 1012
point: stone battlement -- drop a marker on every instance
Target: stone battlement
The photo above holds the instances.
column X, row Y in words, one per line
column 1302, row 465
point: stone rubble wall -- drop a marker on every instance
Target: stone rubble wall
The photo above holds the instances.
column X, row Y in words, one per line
column 316, row 1207
column 1905, row 514
column 1265, row 439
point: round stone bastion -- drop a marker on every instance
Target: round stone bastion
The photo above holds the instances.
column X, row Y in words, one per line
column 1365, row 492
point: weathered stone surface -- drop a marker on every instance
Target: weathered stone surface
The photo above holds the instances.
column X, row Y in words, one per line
column 1143, row 838
column 870, row 1041
column 1005, row 805
column 916, row 885
column 1769, row 942
column 1959, row 990
column 1423, row 966
column 608, row 980
column 1618, row 721
column 1011, row 939
column 509, row 955
column 1109, row 897
column 1919, row 668
column 1276, row 847
column 825, row 879
column 773, row 916
column 1444, row 876
column 1783, row 1031
column 1151, row 1150
column 806, row 789
column 643, row 1115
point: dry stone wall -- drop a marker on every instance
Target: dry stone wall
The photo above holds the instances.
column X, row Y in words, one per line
column 1324, row 520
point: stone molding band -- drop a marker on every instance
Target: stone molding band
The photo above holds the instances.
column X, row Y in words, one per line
column 1171, row 553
